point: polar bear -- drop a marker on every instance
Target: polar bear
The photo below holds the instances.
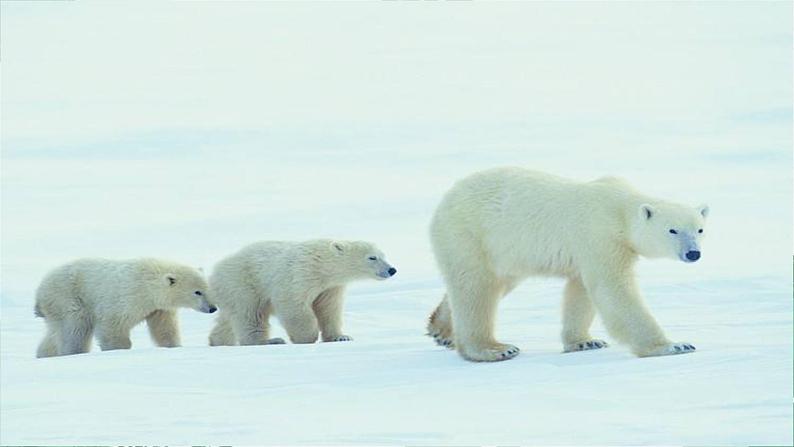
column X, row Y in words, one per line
column 497, row 227
column 302, row 283
column 111, row 297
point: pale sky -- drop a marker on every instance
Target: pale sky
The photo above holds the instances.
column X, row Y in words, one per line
column 190, row 128
column 80, row 72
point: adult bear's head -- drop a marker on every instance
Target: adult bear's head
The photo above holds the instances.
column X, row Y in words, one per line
column 361, row 260
column 668, row 230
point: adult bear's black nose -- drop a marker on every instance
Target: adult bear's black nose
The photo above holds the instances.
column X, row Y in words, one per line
column 693, row 255
column 213, row 309
column 392, row 271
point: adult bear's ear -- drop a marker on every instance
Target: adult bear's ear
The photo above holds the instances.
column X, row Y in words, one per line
column 646, row 211
column 169, row 279
column 703, row 210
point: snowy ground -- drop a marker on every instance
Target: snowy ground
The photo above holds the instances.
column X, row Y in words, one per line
column 226, row 123
column 393, row 386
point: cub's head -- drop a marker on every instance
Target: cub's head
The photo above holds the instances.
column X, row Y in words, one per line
column 186, row 287
column 668, row 230
column 361, row 260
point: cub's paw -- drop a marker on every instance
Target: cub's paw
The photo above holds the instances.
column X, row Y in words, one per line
column 671, row 349
column 585, row 345
column 496, row 353
column 276, row 341
column 342, row 338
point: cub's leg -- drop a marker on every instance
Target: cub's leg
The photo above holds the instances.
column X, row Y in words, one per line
column 440, row 324
column 297, row 317
column 617, row 298
column 222, row 334
column 69, row 325
column 328, row 311
column 251, row 324
column 164, row 328
column 473, row 299
column 74, row 334
column 113, row 334
column 577, row 316
column 49, row 344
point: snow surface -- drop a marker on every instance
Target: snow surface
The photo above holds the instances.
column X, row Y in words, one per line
column 187, row 130
column 393, row 386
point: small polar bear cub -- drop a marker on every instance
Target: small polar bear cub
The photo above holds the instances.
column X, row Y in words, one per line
column 109, row 298
column 497, row 227
column 301, row 283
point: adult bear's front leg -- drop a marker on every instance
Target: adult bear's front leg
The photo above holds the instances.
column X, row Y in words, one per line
column 618, row 300
column 577, row 316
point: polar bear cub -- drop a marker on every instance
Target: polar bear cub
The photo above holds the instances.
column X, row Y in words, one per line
column 110, row 297
column 497, row 227
column 301, row 283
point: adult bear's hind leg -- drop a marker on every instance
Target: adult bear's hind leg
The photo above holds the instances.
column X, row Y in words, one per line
column 473, row 299
column 439, row 326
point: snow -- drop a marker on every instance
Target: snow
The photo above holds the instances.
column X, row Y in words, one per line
column 221, row 125
column 393, row 386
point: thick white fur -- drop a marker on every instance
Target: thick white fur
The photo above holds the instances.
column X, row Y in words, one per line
column 109, row 298
column 302, row 283
column 497, row 227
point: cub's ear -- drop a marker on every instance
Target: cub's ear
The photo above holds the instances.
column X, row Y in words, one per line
column 703, row 210
column 169, row 279
column 338, row 247
column 646, row 211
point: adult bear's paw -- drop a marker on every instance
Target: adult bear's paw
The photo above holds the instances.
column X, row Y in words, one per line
column 671, row 349
column 495, row 353
column 342, row 338
column 585, row 345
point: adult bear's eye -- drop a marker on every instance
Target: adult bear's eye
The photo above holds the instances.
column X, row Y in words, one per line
column 700, row 230
column 198, row 293
column 373, row 258
column 673, row 231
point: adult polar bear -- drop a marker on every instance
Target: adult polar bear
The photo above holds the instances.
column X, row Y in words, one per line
column 497, row 227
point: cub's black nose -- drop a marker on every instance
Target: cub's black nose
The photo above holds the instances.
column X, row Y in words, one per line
column 213, row 309
column 392, row 271
column 693, row 255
